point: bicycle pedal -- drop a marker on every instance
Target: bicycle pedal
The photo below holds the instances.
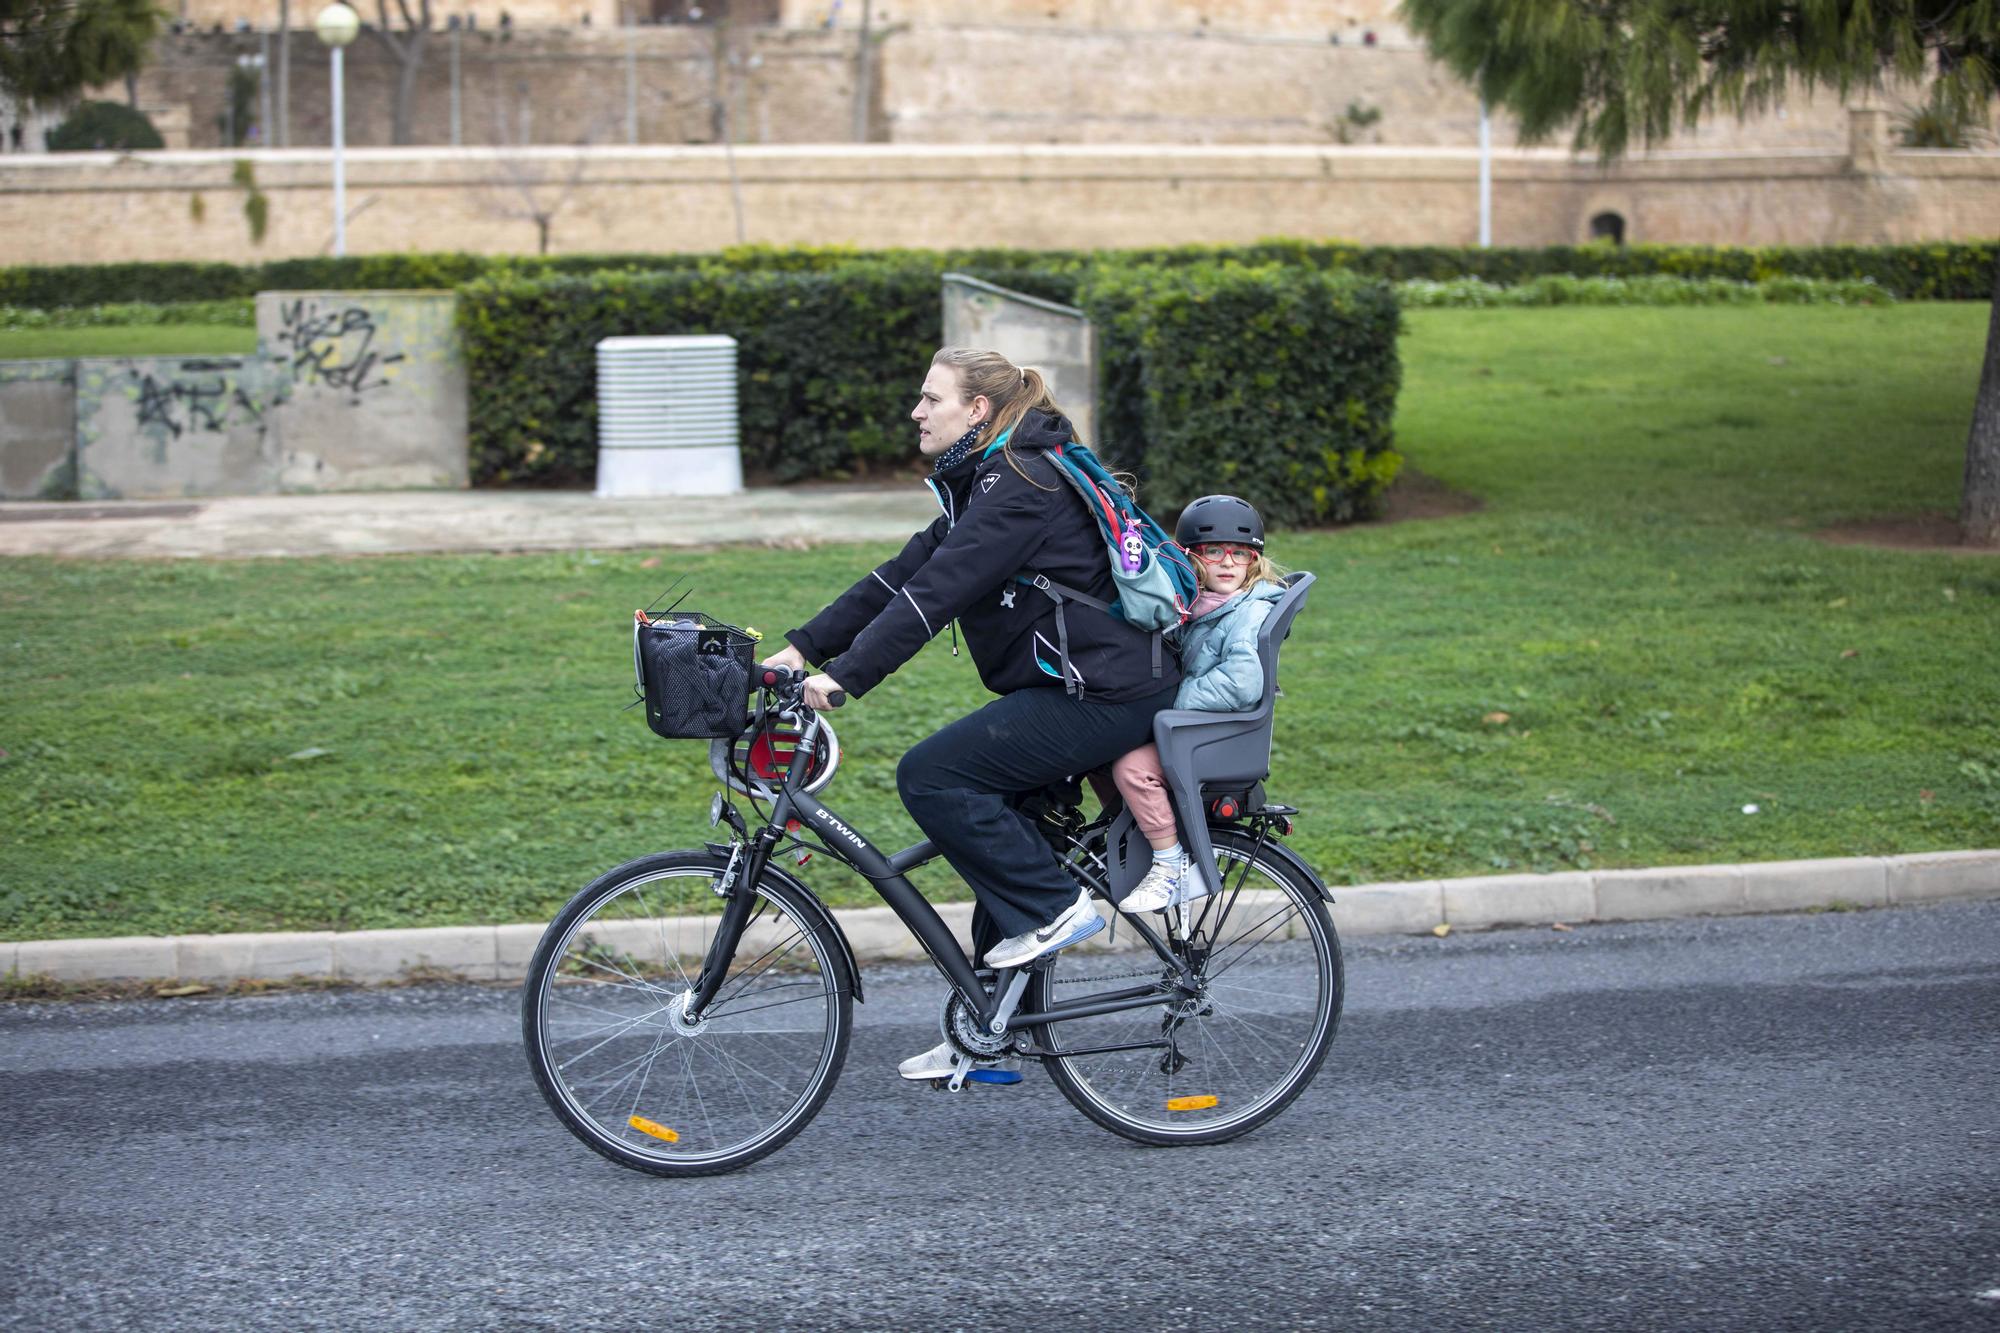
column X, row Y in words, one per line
column 994, row 1076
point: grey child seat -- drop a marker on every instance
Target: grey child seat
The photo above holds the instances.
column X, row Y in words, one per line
column 1220, row 751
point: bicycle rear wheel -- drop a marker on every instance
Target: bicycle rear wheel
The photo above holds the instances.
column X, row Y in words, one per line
column 603, row 1016
column 1210, row 1067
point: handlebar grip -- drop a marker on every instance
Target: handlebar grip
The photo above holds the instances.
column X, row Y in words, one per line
column 835, row 698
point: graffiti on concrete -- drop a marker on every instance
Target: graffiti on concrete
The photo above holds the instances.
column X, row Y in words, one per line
column 333, row 345
column 209, row 399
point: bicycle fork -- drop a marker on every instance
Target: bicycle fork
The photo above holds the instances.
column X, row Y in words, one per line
column 737, row 886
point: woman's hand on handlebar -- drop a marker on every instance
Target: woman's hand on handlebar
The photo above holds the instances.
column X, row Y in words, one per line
column 788, row 657
column 823, row 691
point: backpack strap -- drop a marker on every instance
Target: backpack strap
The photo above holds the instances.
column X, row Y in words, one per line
column 1059, row 593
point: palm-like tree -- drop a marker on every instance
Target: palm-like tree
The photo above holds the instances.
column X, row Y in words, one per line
column 53, row 49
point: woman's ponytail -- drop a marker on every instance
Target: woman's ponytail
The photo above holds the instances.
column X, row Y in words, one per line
column 1013, row 390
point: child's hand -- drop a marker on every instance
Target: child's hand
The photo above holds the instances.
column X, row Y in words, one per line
column 640, row 617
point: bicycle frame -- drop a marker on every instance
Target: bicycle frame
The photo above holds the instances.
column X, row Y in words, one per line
column 887, row 874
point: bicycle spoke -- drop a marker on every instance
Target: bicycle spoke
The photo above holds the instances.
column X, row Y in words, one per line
column 1244, row 1045
column 613, row 1037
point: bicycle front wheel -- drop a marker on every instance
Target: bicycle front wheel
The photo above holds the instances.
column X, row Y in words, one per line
column 1208, row 1067
column 604, row 1018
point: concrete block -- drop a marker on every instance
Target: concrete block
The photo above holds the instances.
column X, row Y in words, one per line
column 120, row 958
column 165, row 426
column 1498, row 900
column 1649, row 895
column 514, row 948
column 1791, row 886
column 1388, row 909
column 1055, row 339
column 37, row 430
column 376, row 398
column 386, row 955
column 275, row 955
column 1936, row 876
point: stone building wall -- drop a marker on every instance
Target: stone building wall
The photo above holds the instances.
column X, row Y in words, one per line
column 930, row 83
column 1083, row 86
column 1298, row 18
column 96, row 207
column 557, row 86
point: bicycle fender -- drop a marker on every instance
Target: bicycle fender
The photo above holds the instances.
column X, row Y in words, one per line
column 1279, row 851
column 826, row 917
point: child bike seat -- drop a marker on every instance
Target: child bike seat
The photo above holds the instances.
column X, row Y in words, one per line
column 1200, row 749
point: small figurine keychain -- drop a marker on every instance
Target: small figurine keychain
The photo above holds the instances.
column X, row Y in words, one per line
column 1132, row 548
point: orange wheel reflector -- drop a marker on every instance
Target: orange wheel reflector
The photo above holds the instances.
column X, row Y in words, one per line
column 645, row 1126
column 1190, row 1103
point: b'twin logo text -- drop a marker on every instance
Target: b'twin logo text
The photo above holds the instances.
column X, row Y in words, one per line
column 825, row 818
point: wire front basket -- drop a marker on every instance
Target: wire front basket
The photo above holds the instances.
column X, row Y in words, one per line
column 694, row 673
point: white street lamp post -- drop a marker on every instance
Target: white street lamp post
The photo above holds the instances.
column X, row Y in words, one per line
column 337, row 25
column 1485, row 176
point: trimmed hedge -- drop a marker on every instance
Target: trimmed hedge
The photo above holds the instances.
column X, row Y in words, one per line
column 53, row 285
column 1945, row 271
column 829, row 362
column 1654, row 290
column 240, row 314
column 1276, row 383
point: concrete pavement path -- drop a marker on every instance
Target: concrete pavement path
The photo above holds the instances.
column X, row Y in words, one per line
column 1758, row 1123
column 385, row 522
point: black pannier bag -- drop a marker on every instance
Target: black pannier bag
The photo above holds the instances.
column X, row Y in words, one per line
column 694, row 674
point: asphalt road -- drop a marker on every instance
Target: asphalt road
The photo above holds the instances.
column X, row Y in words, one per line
column 1757, row 1123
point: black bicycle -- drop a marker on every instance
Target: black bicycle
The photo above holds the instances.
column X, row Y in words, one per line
column 680, row 1040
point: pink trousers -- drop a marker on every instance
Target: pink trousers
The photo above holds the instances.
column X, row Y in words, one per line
column 1144, row 787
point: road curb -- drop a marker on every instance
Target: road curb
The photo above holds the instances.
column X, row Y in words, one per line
column 501, row 953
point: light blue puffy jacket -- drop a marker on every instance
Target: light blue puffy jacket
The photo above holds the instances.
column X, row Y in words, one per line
column 1221, row 672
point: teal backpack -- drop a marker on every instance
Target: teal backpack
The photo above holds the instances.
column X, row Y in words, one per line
column 1154, row 573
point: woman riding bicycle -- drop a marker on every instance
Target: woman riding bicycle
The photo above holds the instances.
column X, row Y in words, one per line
column 1069, row 701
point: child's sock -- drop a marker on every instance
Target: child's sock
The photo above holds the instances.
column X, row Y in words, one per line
column 1172, row 857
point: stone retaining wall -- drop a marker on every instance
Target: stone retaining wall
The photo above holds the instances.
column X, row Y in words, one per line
column 89, row 207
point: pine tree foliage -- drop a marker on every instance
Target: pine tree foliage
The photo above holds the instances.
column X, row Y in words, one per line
column 1637, row 69
column 51, row 50
column 1632, row 71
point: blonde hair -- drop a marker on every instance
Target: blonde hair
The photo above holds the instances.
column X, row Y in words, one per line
column 1261, row 569
column 1013, row 390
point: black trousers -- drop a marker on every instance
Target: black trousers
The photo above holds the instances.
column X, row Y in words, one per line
column 959, row 784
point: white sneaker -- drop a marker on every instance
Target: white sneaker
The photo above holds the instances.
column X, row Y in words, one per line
column 1158, row 889
column 1078, row 921
column 941, row 1061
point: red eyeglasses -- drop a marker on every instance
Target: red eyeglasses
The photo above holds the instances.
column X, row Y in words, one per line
column 1220, row 553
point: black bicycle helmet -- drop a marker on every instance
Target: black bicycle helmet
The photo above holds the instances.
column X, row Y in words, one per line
column 1220, row 518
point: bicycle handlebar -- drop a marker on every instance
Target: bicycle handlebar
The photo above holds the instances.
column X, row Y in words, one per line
column 786, row 680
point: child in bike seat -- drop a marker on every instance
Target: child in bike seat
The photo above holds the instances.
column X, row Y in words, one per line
column 1220, row 673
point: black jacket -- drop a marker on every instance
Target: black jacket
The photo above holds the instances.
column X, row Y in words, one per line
column 996, row 524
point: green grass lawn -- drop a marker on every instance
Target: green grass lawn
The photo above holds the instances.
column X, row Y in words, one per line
column 135, row 340
column 1631, row 643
